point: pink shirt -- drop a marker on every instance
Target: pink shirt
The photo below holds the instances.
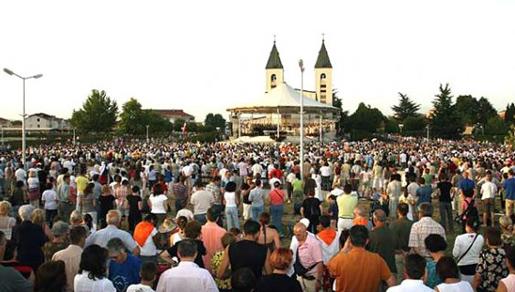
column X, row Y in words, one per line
column 212, row 239
column 310, row 253
column 276, row 197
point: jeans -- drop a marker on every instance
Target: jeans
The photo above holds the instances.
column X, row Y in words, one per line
column 277, row 216
column 446, row 215
column 50, row 214
column 256, row 212
column 231, row 214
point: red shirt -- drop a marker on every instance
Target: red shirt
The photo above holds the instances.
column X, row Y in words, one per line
column 277, row 173
column 276, row 197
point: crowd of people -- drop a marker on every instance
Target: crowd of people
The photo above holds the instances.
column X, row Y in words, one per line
column 350, row 216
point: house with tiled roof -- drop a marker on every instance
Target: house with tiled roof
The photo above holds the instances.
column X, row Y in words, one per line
column 174, row 114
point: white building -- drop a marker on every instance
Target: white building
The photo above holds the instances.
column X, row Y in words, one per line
column 45, row 122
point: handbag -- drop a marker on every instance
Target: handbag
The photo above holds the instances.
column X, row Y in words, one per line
column 300, row 270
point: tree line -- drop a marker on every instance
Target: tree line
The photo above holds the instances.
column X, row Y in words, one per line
column 448, row 118
column 100, row 114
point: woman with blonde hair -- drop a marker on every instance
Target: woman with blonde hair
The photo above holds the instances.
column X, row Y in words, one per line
column 6, row 222
column 38, row 218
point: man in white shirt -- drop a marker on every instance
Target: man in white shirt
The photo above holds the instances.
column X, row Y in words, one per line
column 201, row 201
column 415, row 269
column 148, row 276
column 187, row 276
column 488, row 192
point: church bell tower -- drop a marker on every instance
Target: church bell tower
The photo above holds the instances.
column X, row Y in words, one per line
column 274, row 70
column 324, row 77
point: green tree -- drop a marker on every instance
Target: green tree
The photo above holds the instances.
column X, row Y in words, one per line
column 365, row 120
column 98, row 113
column 495, row 126
column 406, row 108
column 510, row 137
column 178, row 124
column 132, row 120
column 485, row 111
column 509, row 115
column 337, row 103
column 445, row 123
column 214, row 121
column 155, row 122
column 391, row 125
column 414, row 124
column 467, row 107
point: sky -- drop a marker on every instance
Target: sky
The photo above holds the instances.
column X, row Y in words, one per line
column 205, row 56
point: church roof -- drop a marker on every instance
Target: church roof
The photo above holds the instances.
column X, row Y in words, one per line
column 323, row 58
column 274, row 61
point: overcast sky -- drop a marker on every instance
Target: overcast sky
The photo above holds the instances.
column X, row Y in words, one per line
column 204, row 56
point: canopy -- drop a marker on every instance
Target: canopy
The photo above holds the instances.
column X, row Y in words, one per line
column 282, row 99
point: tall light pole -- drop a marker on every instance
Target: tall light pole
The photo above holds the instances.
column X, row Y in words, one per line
column 147, row 134
column 74, row 137
column 23, row 144
column 427, row 134
column 301, row 66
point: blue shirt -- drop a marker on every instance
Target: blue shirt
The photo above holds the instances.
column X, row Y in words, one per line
column 432, row 278
column 125, row 274
column 424, row 194
column 509, row 187
column 466, row 184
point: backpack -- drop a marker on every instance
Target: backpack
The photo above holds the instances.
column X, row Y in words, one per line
column 471, row 211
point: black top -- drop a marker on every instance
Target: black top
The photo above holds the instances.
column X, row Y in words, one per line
column 106, row 203
column 133, row 204
column 278, row 283
column 445, row 191
column 201, row 251
column 248, row 254
column 29, row 239
column 245, row 195
column 311, row 210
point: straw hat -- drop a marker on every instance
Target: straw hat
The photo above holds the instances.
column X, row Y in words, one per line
column 167, row 226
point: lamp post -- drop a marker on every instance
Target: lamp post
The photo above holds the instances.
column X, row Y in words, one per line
column 147, row 134
column 301, row 66
column 74, row 137
column 400, row 128
column 427, row 133
column 23, row 144
column 2, row 137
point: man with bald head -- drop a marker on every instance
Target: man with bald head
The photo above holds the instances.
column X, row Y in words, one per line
column 307, row 259
column 382, row 240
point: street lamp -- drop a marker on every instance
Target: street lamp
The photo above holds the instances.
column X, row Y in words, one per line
column 147, row 134
column 427, row 133
column 301, row 66
column 400, row 127
column 23, row 114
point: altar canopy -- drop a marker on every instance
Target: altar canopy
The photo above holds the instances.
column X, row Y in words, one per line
column 282, row 99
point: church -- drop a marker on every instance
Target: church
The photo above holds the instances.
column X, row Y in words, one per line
column 277, row 111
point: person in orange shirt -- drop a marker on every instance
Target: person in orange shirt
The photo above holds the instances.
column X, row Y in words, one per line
column 359, row 269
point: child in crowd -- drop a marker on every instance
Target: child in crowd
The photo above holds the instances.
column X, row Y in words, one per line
column 148, row 274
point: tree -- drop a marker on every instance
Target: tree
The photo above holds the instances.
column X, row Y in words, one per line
column 132, row 118
column 509, row 114
column 485, row 111
column 98, row 113
column 337, row 103
column 391, row 125
column 495, row 127
column 510, row 138
column 178, row 124
column 406, row 108
column 467, row 108
column 214, row 121
column 365, row 120
column 445, row 123
column 414, row 124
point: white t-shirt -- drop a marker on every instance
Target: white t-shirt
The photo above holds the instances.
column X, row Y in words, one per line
column 462, row 286
column 488, row 190
column 462, row 243
column 201, row 201
column 157, row 204
column 325, row 171
column 20, row 174
column 82, row 283
column 50, row 199
column 139, row 288
column 149, row 248
column 230, row 199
